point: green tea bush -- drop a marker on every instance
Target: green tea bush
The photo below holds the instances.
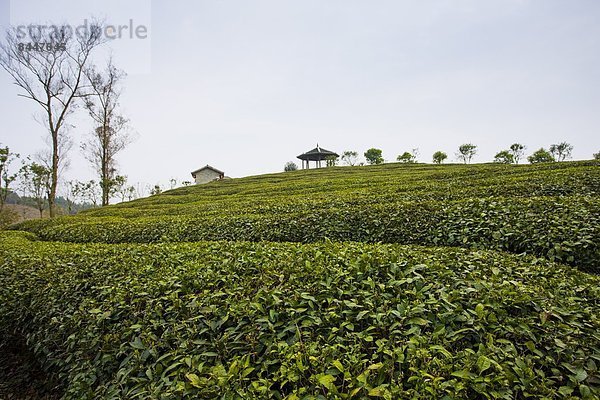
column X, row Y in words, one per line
column 565, row 229
column 310, row 285
column 300, row 321
column 547, row 210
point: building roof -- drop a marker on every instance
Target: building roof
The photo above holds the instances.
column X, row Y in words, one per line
column 317, row 154
column 207, row 167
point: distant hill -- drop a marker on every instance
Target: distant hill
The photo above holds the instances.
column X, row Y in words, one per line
column 24, row 208
column 24, row 212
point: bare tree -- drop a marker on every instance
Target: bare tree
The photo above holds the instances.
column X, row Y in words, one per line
column 112, row 132
column 141, row 190
column 64, row 145
column 49, row 71
column 350, row 157
column 70, row 196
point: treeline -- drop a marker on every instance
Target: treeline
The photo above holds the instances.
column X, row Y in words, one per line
column 66, row 205
column 465, row 153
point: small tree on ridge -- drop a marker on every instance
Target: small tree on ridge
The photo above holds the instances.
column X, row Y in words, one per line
column 466, row 152
column 374, row 156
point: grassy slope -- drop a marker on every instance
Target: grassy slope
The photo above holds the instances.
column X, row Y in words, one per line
column 273, row 320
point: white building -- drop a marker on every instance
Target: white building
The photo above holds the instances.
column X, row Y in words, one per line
column 207, row 174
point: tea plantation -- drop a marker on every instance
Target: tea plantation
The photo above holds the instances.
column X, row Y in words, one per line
column 393, row 281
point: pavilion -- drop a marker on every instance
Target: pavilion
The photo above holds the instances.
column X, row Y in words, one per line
column 317, row 155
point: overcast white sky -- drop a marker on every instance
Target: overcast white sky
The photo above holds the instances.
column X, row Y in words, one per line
column 248, row 85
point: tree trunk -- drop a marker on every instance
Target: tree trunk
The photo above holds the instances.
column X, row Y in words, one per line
column 105, row 172
column 54, row 175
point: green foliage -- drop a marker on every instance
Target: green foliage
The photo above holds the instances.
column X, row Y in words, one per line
column 550, row 210
column 37, row 179
column 331, row 161
column 290, row 166
column 6, row 178
column 319, row 289
column 374, row 156
column 87, row 192
column 541, row 156
column 517, row 150
column 407, row 157
column 439, row 157
column 504, row 157
column 561, row 151
column 466, row 152
column 565, row 229
column 156, row 190
column 280, row 320
column 597, row 156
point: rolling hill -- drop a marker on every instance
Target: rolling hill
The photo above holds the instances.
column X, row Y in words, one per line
column 391, row 281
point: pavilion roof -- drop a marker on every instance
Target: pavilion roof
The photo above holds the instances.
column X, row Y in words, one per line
column 317, row 154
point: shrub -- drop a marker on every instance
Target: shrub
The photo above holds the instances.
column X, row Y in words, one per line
column 541, row 156
column 270, row 320
column 290, row 166
column 551, row 210
column 504, row 157
column 374, row 156
column 566, row 230
column 439, row 157
column 202, row 292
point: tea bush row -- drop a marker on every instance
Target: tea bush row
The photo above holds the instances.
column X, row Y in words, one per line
column 300, row 321
column 565, row 229
column 337, row 187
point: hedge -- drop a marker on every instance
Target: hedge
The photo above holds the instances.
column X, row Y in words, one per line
column 300, row 321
